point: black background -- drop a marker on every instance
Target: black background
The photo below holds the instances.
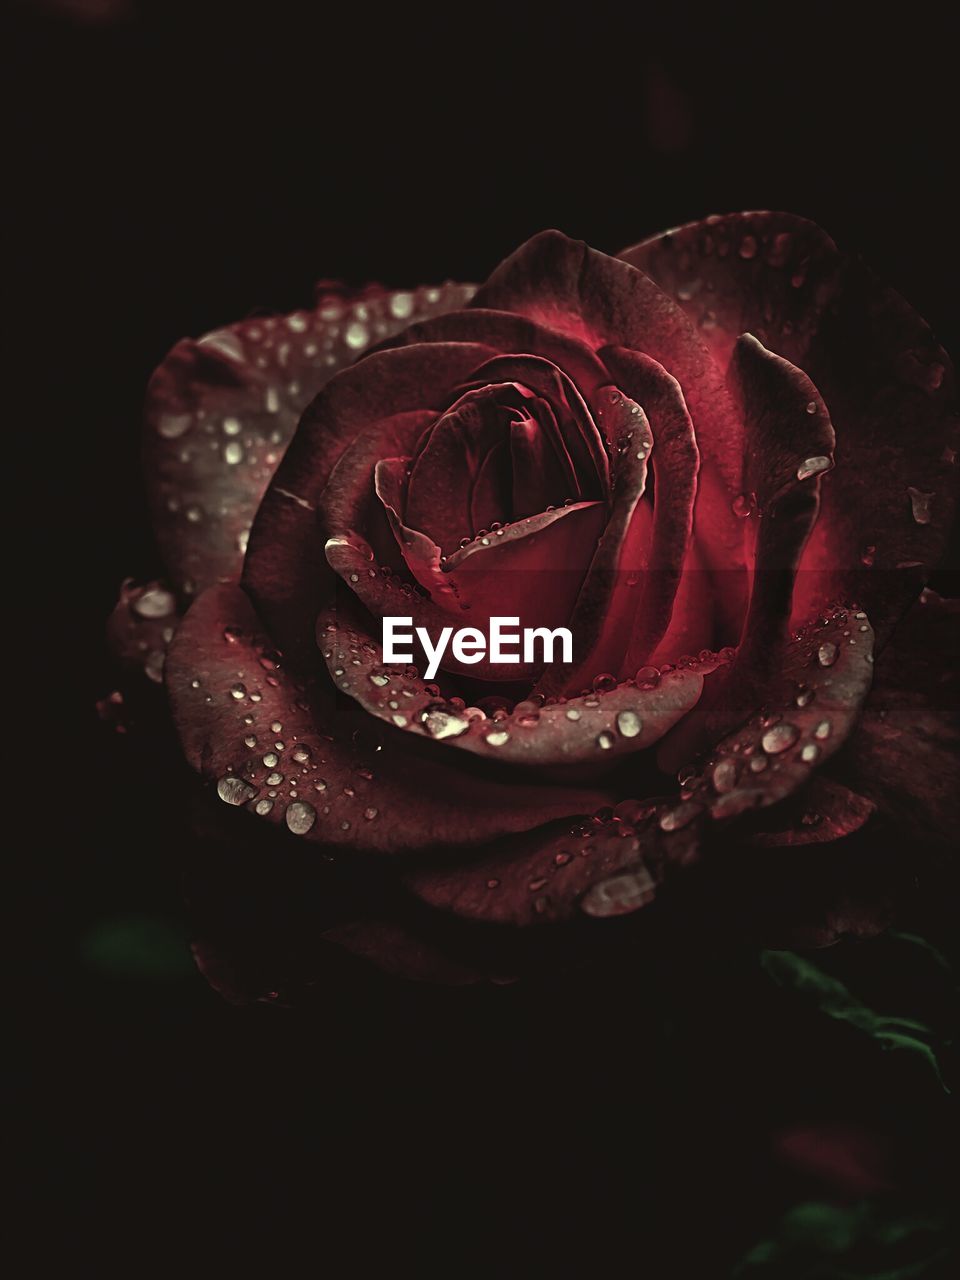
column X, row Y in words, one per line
column 176, row 167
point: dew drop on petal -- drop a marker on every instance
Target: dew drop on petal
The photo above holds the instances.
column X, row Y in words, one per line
column 680, row 817
column 300, row 817
column 813, row 466
column 647, row 678
column 779, row 738
column 605, row 740
column 233, row 790
column 724, row 776
column 620, row 894
column 921, row 504
column 629, row 723
column 827, row 654
column 442, row 720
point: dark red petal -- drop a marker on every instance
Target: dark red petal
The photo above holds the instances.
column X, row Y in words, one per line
column 343, row 780
column 904, row 754
column 564, row 285
column 578, row 439
column 286, row 571
column 595, row 868
column 141, row 627
column 512, row 333
column 801, row 717
column 220, row 412
column 788, row 449
column 889, row 386
column 592, row 729
column 601, row 621
column 676, row 462
column 823, row 810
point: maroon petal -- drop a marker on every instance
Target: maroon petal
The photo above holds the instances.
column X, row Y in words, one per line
column 328, row 773
column 221, row 411
column 594, row 729
column 286, row 571
column 596, row 868
column 676, row 462
column 789, row 446
column 802, row 717
column 600, row 620
column 821, row 811
column 600, row 301
column 905, row 750
column 890, row 387
column 515, row 334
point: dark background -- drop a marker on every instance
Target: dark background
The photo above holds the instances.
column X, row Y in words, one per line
column 175, row 167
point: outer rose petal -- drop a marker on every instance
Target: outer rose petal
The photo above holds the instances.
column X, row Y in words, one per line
column 789, row 446
column 888, row 385
column 327, row 773
column 286, row 571
column 905, row 753
column 220, row 412
column 598, row 868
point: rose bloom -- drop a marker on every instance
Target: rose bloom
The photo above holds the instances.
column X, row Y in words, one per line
column 724, row 459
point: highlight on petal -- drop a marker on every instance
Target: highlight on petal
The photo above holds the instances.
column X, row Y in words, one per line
column 221, row 410
column 888, row 384
column 296, row 756
column 596, row 728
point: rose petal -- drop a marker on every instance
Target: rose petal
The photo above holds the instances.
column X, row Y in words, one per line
column 889, row 386
column 904, row 752
column 788, row 448
column 508, row 332
column 823, row 810
column 594, row 728
column 339, row 779
column 806, row 714
column 596, row 868
column 676, row 462
column 600, row 621
column 220, row 412
column 286, row 571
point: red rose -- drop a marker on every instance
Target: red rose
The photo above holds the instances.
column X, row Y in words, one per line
column 725, row 460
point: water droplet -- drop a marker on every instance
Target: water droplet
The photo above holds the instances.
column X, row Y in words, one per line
column 442, row 720
column 172, row 425
column 779, row 738
column 231, row 426
column 263, row 807
column 758, row 764
column 605, row 740
column 805, row 697
column 238, row 692
column 371, row 813
column 748, row 247
column 921, row 504
column 234, row 790
column 604, row 682
column 155, row 603
column 680, row 817
column 827, row 654
column 647, row 678
column 401, row 305
column 232, row 453
column 744, row 504
column 527, row 714
column 572, row 713
column 271, row 760
column 497, row 737
column 629, row 723
column 812, row 406
column 356, row 335
column 813, row 466
column 822, row 730
column 724, row 776
column 809, row 753
column 300, row 817
column 620, row 894
column 274, row 779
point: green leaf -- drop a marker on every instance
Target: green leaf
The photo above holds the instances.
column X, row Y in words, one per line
column 835, row 1000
